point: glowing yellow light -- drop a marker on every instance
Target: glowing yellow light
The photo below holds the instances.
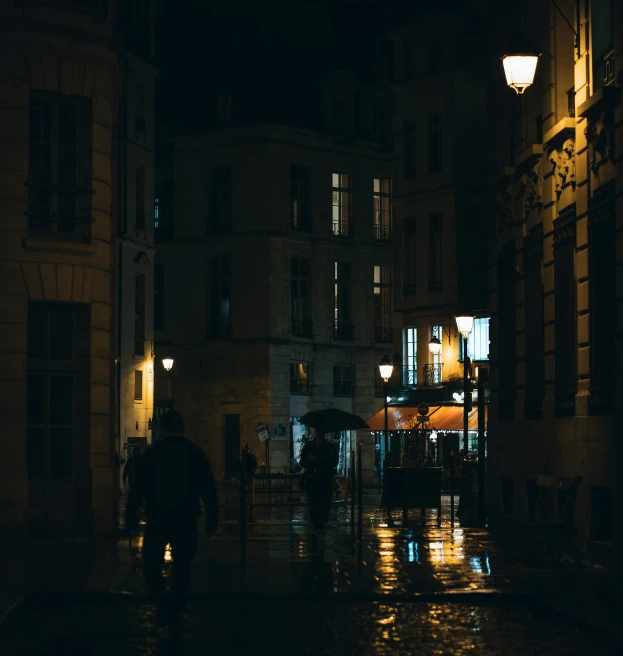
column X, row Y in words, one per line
column 167, row 554
column 520, row 65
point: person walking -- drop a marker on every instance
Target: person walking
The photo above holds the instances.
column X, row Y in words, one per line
column 131, row 467
column 319, row 459
column 174, row 475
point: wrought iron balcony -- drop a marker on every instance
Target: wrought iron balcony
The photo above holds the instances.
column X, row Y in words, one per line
column 300, row 386
column 340, row 229
column 409, row 375
column 383, row 334
column 382, row 232
column 301, row 327
column 433, row 374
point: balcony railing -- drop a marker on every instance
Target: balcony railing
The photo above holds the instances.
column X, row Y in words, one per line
column 343, row 331
column 433, row 374
column 342, row 388
column 300, row 386
column 340, row 229
column 383, row 334
column 382, row 232
column 302, row 327
column 409, row 375
column 301, row 223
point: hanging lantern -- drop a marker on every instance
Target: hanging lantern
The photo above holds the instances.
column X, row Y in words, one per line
column 520, row 64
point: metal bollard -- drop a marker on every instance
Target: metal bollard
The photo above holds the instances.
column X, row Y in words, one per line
column 360, row 502
column 452, row 489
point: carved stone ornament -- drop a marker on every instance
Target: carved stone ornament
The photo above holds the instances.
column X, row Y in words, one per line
column 563, row 164
column 600, row 137
column 531, row 188
column 503, row 209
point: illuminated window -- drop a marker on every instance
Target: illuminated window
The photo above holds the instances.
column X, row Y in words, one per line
column 410, row 349
column 478, row 341
column 382, row 303
column 156, row 212
column 138, row 385
column 300, row 378
column 341, row 204
column 382, row 209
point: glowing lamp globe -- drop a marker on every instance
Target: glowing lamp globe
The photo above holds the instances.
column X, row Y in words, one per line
column 386, row 368
column 434, row 346
column 519, row 64
column 465, row 325
column 167, row 363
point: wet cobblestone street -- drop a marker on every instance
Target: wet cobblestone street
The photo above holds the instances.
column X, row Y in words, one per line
column 418, row 589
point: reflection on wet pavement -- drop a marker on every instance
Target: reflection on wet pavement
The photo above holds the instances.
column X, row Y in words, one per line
column 418, row 589
column 302, row 628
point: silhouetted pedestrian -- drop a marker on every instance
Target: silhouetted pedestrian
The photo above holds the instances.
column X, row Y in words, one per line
column 247, row 463
column 131, row 467
column 173, row 476
column 319, row 459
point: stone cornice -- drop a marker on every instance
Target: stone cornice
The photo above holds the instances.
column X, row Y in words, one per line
column 562, row 131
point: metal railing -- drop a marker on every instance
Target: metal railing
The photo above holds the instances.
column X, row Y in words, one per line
column 343, row 388
column 382, row 232
column 433, row 374
column 340, row 229
column 139, row 345
column 409, row 375
column 301, row 327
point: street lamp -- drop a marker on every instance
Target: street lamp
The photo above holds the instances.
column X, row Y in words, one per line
column 167, row 363
column 386, row 368
column 520, row 64
column 434, row 346
column 465, row 325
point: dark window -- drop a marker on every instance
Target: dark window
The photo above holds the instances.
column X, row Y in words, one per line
column 383, row 304
column 342, row 318
column 507, row 492
column 140, row 108
column 408, row 59
column 507, row 328
column 340, row 114
column 601, row 514
column 159, row 297
column 219, row 286
column 539, row 129
column 435, row 52
column 340, row 204
column 300, row 378
column 58, row 354
column 343, row 380
column 382, row 209
column 409, row 246
column 300, row 297
column 379, row 123
column 565, row 313
column 435, row 144
column 163, row 214
column 221, row 214
column 300, row 199
column 602, row 298
column 602, row 24
column 138, row 385
column 223, row 107
column 408, row 149
column 59, row 166
column 140, row 198
column 534, row 328
column 435, row 253
column 571, row 101
column 139, row 314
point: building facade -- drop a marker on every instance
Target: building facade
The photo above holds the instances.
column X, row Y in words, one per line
column 135, row 233
column 61, row 87
column 556, row 178
column 277, row 282
column 440, row 222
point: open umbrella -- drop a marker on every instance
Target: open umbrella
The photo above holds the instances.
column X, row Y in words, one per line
column 332, row 420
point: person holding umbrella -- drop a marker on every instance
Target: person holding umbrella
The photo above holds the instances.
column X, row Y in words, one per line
column 319, row 459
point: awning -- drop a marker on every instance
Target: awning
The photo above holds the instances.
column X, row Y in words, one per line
column 442, row 418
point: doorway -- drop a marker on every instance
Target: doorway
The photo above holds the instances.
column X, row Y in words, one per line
column 232, row 444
